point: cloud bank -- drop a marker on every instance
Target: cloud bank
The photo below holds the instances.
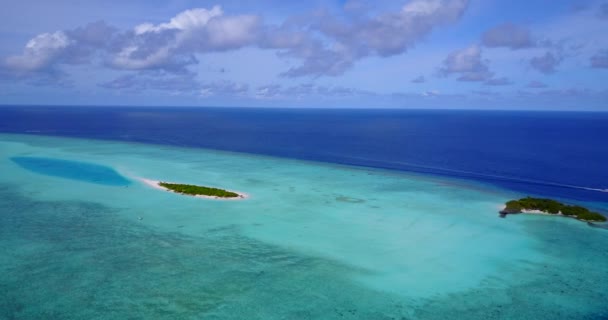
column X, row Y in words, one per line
column 325, row 45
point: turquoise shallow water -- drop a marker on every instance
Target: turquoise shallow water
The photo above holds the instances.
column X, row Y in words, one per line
column 314, row 241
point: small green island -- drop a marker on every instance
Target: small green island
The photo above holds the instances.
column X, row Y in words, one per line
column 549, row 206
column 193, row 190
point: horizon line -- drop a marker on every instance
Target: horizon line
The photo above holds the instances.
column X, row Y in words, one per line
column 295, row 108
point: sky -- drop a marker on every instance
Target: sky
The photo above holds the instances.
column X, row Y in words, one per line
column 447, row 54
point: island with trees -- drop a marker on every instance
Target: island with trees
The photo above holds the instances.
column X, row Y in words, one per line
column 548, row 206
column 194, row 190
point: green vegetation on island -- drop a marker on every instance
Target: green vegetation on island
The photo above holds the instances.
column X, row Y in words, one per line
column 551, row 207
column 198, row 190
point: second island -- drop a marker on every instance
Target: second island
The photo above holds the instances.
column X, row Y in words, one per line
column 549, row 206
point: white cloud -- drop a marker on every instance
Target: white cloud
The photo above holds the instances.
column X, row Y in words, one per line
column 421, row 7
column 124, row 59
column 431, row 93
column 171, row 45
column 149, row 80
column 383, row 35
column 324, row 45
column 39, row 53
column 232, row 32
column 307, row 90
column 223, row 88
column 186, row 20
column 468, row 64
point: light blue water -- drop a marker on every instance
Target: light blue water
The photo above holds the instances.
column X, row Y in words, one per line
column 314, row 241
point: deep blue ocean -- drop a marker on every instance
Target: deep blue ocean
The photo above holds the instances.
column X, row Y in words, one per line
column 558, row 154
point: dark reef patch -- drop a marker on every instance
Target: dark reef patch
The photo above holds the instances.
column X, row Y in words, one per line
column 349, row 199
column 74, row 170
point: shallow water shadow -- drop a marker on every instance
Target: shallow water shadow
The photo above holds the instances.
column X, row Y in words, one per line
column 74, row 170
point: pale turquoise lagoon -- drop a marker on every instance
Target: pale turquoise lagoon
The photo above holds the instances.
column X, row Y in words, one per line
column 313, row 241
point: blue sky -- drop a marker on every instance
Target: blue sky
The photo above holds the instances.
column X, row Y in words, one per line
column 481, row 54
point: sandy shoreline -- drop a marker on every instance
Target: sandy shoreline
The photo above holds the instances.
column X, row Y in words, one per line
column 526, row 211
column 537, row 212
column 543, row 213
column 155, row 184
